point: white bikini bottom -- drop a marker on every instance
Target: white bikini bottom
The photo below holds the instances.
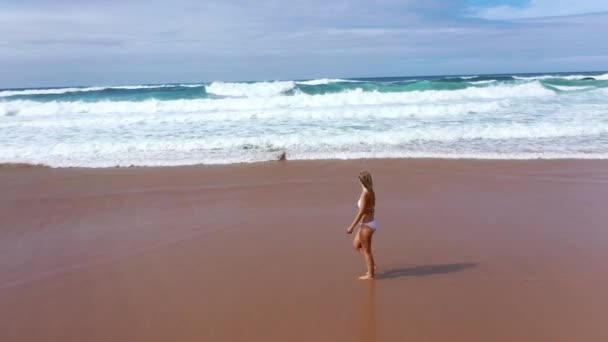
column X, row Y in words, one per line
column 371, row 224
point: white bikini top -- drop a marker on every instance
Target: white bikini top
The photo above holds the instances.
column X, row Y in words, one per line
column 370, row 211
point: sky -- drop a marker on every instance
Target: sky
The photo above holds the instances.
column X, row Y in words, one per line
column 110, row 42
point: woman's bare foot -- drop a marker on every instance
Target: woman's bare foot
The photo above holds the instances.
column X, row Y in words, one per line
column 367, row 276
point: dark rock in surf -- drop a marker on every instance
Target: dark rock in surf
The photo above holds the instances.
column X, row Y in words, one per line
column 282, row 156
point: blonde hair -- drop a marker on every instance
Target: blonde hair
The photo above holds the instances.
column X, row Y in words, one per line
column 366, row 179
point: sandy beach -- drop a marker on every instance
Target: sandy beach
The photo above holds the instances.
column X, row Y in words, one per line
column 467, row 251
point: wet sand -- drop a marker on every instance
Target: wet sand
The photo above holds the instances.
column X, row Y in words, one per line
column 467, row 251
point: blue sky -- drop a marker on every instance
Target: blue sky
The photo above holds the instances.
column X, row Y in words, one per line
column 80, row 42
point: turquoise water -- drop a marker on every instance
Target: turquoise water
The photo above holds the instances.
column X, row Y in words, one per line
column 488, row 116
column 309, row 87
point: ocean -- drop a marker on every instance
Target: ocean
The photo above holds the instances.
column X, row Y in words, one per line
column 525, row 116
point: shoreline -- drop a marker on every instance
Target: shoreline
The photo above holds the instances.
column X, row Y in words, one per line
column 467, row 250
column 285, row 159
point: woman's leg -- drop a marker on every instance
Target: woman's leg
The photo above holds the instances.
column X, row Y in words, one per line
column 357, row 242
column 365, row 236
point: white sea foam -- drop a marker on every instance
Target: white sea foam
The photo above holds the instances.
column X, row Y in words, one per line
column 501, row 120
column 463, row 141
column 460, row 77
column 602, row 77
column 257, row 89
column 483, row 82
column 58, row 91
column 569, row 88
column 326, row 81
column 53, row 91
column 345, row 99
column 275, row 115
column 491, row 129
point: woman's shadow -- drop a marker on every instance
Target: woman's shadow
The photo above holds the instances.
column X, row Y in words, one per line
column 424, row 270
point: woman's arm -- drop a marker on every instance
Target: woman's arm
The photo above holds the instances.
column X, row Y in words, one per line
column 359, row 214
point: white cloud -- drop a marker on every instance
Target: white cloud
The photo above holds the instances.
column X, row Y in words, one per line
column 109, row 42
column 542, row 8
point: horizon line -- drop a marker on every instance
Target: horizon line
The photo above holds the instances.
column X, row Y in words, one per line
column 308, row 79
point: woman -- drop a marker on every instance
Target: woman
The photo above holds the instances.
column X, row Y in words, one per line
column 365, row 218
